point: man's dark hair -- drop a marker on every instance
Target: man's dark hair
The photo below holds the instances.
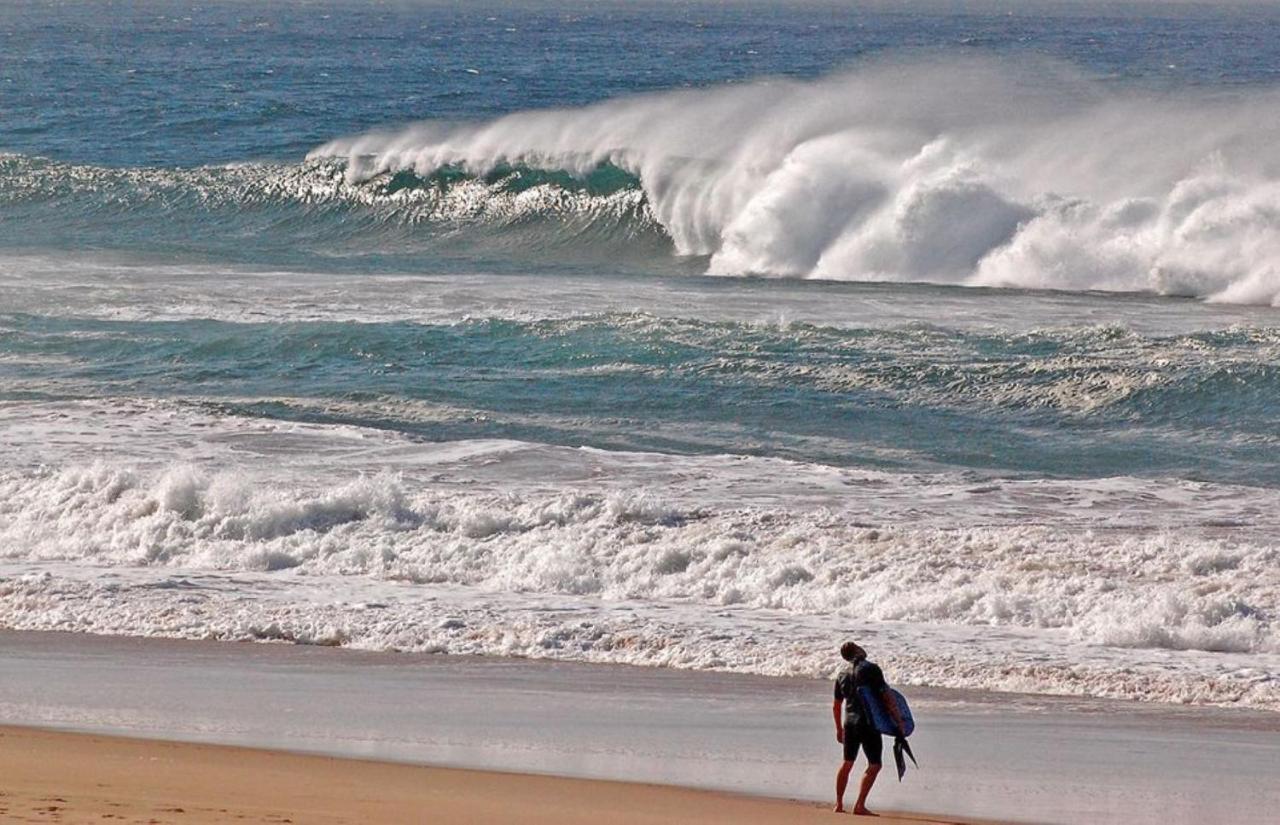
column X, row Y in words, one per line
column 851, row 651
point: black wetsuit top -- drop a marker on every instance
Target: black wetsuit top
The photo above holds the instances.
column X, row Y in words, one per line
column 863, row 674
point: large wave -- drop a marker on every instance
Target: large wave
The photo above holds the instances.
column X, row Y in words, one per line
column 966, row 172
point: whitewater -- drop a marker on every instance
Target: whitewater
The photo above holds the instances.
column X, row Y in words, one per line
column 954, row 331
column 977, row 178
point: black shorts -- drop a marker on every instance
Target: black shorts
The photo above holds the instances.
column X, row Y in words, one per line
column 868, row 738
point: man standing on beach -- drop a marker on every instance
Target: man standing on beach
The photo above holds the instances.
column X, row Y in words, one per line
column 857, row 729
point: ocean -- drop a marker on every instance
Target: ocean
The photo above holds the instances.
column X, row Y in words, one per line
column 683, row 334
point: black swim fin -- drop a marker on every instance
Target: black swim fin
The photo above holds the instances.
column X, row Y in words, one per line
column 901, row 746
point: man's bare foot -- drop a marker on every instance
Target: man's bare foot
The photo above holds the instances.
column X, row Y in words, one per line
column 839, row 808
column 864, row 812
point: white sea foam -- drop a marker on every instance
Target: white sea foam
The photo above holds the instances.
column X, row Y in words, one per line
column 368, row 613
column 979, row 176
column 341, row 536
column 1131, row 589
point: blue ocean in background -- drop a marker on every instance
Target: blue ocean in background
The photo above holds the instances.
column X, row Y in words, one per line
column 165, row 84
column 957, row 315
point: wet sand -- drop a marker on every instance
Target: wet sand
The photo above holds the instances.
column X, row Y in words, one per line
column 54, row 776
column 983, row 756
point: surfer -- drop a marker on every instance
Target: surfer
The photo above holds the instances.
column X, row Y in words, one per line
column 857, row 729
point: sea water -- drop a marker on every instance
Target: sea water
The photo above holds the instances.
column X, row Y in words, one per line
column 701, row 335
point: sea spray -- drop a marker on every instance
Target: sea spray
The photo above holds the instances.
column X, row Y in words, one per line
column 987, row 174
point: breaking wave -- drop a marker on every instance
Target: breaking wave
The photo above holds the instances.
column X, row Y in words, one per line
column 981, row 174
column 1161, row 591
column 985, row 174
column 631, row 576
column 279, row 212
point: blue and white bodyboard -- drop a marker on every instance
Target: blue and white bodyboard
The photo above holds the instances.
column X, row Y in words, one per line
column 880, row 716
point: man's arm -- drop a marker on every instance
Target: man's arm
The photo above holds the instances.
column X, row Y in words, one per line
column 835, row 711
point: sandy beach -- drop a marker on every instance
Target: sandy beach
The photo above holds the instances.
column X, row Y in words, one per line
column 54, row 776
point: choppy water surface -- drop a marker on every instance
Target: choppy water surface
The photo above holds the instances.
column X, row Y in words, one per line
column 405, row 326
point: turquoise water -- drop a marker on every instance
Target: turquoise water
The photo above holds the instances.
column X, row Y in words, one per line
column 1049, row 402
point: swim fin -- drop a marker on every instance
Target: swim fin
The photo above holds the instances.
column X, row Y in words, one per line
column 900, row 746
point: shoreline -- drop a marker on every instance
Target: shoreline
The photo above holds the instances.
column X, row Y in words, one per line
column 1245, row 716
column 983, row 757
column 51, row 775
column 377, row 613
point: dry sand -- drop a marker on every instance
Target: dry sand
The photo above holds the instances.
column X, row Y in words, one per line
column 48, row 776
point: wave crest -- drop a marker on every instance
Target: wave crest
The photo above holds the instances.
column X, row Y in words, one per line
column 314, row 206
column 965, row 172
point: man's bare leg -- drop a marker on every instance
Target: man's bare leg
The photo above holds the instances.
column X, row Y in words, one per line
column 868, row 779
column 842, row 782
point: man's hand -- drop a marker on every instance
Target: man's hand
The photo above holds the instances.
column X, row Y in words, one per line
column 840, row 734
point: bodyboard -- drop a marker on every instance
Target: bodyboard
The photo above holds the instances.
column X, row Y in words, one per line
column 880, row 716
